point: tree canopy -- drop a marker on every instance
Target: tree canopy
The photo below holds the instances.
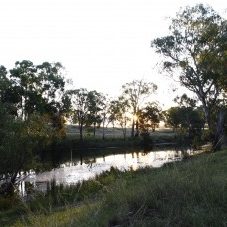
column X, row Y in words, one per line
column 195, row 51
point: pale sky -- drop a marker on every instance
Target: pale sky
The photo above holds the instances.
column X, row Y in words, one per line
column 101, row 43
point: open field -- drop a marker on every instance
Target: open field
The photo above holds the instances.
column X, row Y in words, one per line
column 72, row 132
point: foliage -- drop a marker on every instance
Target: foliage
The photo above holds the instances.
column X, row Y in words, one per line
column 86, row 107
column 194, row 51
column 185, row 118
column 32, row 109
column 149, row 117
column 119, row 112
column 136, row 92
column 20, row 142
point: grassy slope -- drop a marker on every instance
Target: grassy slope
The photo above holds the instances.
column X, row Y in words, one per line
column 189, row 193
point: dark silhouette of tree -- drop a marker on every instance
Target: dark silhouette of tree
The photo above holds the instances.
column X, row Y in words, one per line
column 149, row 117
column 136, row 92
column 119, row 110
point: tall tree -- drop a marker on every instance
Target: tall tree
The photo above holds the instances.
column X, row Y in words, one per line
column 104, row 113
column 51, row 83
column 96, row 102
column 149, row 117
column 119, row 110
column 136, row 92
column 193, row 51
column 50, row 93
column 24, row 80
column 80, row 107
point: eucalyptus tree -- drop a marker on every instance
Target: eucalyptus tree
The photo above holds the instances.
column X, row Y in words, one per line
column 185, row 101
column 136, row 92
column 96, row 103
column 4, row 82
column 50, row 93
column 80, row 107
column 104, row 113
column 194, row 52
column 149, row 117
column 119, row 111
column 9, row 97
column 24, row 80
column 51, row 83
column 185, row 118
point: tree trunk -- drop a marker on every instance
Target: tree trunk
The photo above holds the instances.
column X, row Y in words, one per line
column 137, row 128
column 103, row 131
column 124, row 133
column 94, row 129
column 133, row 128
column 217, row 142
column 207, row 115
column 81, row 132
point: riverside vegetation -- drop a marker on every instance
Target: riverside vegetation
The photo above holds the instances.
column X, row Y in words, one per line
column 188, row 193
column 34, row 107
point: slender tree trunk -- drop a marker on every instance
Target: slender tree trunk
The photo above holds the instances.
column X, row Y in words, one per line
column 113, row 132
column 103, row 131
column 94, row 129
column 81, row 131
column 133, row 128
column 219, row 131
column 137, row 128
column 124, row 134
column 207, row 115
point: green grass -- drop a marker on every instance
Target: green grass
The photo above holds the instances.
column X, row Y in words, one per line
column 116, row 135
column 188, row 193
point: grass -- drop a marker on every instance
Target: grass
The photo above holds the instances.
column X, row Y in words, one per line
column 188, row 193
column 115, row 135
column 72, row 142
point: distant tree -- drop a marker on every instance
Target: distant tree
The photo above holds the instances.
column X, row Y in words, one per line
column 185, row 101
column 79, row 107
column 4, row 82
column 149, row 117
column 51, row 85
column 119, row 112
column 8, row 96
column 136, row 92
column 188, row 119
column 37, row 89
column 104, row 114
column 194, row 49
column 96, row 103
column 24, row 80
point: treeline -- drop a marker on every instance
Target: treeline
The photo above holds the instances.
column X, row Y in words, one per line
column 34, row 101
column 29, row 89
column 34, row 105
column 32, row 109
column 91, row 108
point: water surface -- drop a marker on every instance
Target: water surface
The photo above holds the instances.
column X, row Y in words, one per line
column 84, row 168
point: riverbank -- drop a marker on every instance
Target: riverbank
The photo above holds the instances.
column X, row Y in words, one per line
column 188, row 193
column 165, row 137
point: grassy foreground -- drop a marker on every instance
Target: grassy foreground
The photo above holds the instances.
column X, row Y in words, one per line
column 188, row 193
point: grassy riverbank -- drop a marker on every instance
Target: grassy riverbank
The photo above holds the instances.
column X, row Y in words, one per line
column 188, row 193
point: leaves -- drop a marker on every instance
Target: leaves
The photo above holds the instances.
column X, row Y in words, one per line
column 196, row 49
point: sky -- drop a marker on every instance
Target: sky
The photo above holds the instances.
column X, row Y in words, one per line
column 101, row 43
